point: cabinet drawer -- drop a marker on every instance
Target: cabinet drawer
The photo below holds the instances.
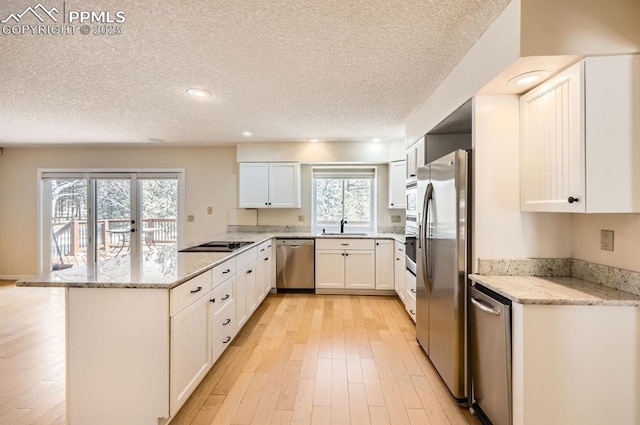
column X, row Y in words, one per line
column 222, row 320
column 221, row 344
column 223, row 271
column 265, row 248
column 189, row 292
column 222, row 296
column 345, row 243
column 246, row 258
column 410, row 284
column 410, row 306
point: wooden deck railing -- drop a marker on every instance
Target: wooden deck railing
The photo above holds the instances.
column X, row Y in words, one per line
column 71, row 238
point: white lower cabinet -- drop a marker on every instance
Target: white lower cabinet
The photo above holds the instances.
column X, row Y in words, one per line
column 385, row 263
column 399, row 269
column 410, row 294
column 190, row 359
column 264, row 267
column 345, row 264
column 330, row 268
column 359, row 269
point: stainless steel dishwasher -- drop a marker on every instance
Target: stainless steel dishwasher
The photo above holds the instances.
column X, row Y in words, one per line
column 490, row 328
column 295, row 264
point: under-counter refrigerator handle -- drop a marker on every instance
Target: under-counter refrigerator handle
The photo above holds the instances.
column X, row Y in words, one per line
column 484, row 307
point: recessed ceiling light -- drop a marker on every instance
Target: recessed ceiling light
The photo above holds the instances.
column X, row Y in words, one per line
column 202, row 93
column 376, row 140
column 247, row 133
column 314, row 140
column 528, row 78
column 156, row 140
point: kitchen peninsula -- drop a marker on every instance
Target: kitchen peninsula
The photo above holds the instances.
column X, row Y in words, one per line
column 142, row 333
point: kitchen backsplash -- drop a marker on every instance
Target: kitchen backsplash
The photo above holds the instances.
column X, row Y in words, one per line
column 525, row 267
column 298, row 229
column 624, row 280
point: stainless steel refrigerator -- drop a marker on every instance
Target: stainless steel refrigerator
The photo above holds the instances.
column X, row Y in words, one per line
column 442, row 261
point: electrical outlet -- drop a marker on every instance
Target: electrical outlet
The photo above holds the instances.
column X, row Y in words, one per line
column 209, row 210
column 606, row 240
column 395, row 219
column 301, row 218
column 191, row 218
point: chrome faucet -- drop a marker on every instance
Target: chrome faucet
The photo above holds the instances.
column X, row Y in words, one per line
column 342, row 223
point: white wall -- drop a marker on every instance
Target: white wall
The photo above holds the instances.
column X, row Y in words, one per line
column 211, row 176
column 501, row 230
column 626, row 249
column 580, row 27
column 320, row 152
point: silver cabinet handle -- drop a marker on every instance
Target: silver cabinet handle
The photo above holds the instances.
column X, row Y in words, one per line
column 484, row 307
column 198, row 289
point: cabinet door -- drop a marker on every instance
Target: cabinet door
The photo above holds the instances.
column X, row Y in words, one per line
column 411, row 164
column 330, row 268
column 410, row 288
column 242, row 312
column 251, row 289
column 397, row 185
column 360, row 269
column 420, row 153
column 190, row 357
column 254, row 185
column 265, row 274
column 384, row 264
column 284, row 185
column 552, row 155
column 399, row 269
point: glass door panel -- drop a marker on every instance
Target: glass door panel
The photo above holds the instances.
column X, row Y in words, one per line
column 115, row 222
column 67, row 230
column 159, row 212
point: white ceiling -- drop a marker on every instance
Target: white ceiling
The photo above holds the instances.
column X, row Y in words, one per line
column 284, row 70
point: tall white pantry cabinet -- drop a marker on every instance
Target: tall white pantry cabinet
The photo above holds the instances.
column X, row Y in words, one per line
column 580, row 138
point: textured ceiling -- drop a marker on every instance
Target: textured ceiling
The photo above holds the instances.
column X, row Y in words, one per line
column 284, row 70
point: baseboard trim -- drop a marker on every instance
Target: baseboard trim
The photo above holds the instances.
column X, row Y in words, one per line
column 321, row 291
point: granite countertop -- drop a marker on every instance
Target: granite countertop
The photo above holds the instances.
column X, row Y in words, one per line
column 555, row 291
column 164, row 267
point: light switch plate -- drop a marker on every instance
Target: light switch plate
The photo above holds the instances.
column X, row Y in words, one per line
column 191, row 218
column 209, row 210
column 606, row 240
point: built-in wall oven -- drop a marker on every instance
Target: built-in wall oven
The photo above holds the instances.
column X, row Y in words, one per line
column 411, row 226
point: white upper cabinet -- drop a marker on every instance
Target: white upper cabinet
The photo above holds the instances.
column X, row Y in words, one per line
column 579, row 139
column 269, row 185
column 415, row 158
column 397, row 185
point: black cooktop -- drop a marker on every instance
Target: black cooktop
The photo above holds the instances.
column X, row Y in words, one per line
column 217, row 246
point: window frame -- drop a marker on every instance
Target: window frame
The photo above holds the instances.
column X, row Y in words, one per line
column 357, row 173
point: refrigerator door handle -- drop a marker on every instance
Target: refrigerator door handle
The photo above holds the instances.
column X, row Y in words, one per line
column 484, row 306
column 423, row 235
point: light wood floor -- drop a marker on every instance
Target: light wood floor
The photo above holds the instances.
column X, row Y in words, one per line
column 31, row 355
column 316, row 360
column 301, row 359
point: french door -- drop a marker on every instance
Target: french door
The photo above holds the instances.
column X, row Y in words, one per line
column 88, row 218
